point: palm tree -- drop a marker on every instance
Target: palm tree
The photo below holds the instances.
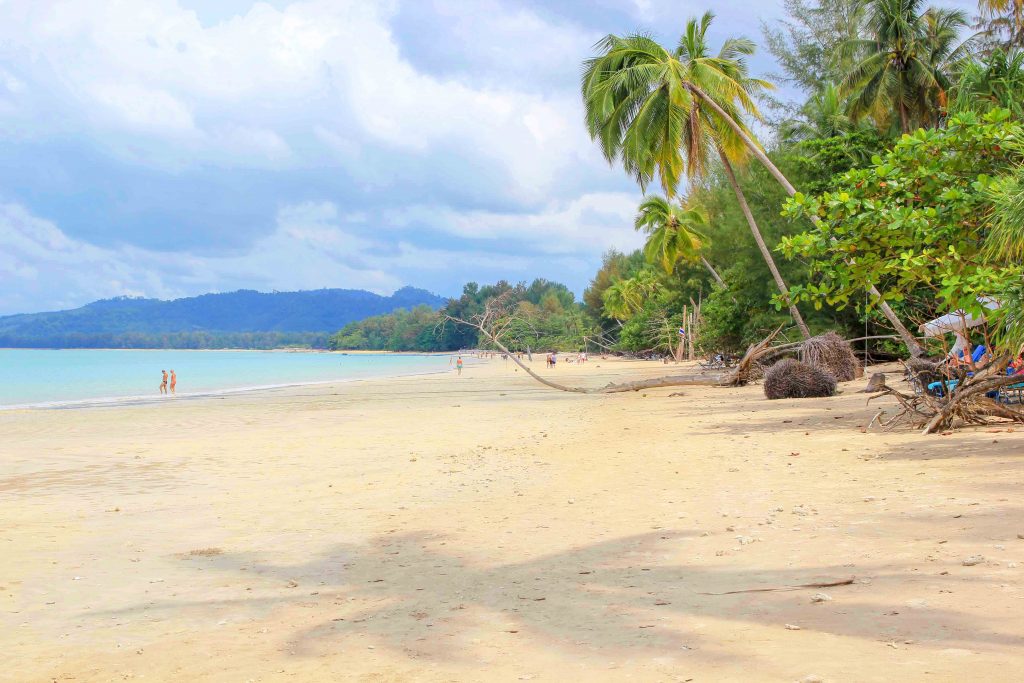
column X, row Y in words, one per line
column 1005, row 241
column 905, row 64
column 1004, row 17
column 825, row 115
column 664, row 113
column 675, row 233
column 626, row 297
column 998, row 81
column 638, row 96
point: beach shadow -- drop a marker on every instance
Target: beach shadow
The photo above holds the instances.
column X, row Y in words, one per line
column 409, row 593
column 963, row 443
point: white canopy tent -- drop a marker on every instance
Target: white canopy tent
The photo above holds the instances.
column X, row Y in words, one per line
column 958, row 321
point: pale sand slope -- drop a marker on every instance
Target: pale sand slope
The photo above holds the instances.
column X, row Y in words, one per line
column 486, row 528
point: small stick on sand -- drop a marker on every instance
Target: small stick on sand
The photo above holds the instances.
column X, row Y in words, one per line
column 828, row 584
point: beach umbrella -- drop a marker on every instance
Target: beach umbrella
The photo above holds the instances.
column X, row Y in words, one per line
column 957, row 321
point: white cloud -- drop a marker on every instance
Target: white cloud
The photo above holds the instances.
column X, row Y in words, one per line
column 144, row 108
column 155, row 86
column 589, row 224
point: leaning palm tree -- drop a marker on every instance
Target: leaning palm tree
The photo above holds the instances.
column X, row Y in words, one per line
column 664, row 113
column 905, row 65
column 638, row 98
column 675, row 233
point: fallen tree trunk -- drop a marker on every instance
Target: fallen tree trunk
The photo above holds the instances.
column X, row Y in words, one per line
column 490, row 324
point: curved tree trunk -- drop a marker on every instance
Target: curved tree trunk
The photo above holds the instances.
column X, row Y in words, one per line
column 714, row 273
column 793, row 310
column 738, row 376
column 912, row 345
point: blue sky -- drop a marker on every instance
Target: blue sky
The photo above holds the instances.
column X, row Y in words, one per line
column 173, row 147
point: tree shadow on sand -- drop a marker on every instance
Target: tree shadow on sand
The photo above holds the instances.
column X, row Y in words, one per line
column 406, row 592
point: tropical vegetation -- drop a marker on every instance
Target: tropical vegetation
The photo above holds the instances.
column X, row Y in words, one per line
column 888, row 190
column 906, row 148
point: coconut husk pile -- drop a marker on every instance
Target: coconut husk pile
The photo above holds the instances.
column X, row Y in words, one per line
column 790, row 378
column 830, row 353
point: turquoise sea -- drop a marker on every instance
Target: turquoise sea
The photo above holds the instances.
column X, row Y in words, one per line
column 30, row 377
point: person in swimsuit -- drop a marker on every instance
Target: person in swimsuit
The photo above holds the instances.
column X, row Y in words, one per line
column 163, row 383
column 458, row 365
column 174, row 381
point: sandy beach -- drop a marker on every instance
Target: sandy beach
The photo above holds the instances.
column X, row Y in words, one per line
column 483, row 527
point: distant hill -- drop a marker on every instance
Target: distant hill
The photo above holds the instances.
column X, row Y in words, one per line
column 242, row 319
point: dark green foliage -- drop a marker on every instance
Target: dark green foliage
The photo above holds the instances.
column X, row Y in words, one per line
column 547, row 317
column 914, row 223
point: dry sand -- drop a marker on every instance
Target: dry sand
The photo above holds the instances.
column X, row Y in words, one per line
column 485, row 528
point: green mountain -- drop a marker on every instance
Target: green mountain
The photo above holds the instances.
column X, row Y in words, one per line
column 242, row 319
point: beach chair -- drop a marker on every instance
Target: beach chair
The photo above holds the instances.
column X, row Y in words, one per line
column 1013, row 393
column 715, row 362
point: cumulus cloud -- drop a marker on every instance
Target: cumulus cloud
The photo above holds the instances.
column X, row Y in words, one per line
column 588, row 225
column 158, row 86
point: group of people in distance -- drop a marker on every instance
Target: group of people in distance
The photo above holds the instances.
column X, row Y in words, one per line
column 163, row 382
column 552, row 358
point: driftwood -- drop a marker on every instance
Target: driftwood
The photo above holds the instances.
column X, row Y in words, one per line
column 967, row 403
column 802, row 586
column 496, row 319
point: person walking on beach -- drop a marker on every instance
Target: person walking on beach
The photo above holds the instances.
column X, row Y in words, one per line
column 163, row 383
column 458, row 365
column 174, row 380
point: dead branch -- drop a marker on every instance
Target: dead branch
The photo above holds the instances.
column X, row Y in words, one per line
column 967, row 403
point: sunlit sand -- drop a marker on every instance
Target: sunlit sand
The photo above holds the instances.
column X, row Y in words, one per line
column 486, row 528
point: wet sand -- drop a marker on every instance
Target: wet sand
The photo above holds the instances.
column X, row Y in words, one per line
column 486, row 528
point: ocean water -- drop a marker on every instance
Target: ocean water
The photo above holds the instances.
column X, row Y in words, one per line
column 30, row 377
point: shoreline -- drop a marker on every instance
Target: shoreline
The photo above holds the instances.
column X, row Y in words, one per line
column 141, row 400
column 352, row 352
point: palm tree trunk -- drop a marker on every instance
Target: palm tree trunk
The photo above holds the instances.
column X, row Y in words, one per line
column 755, row 149
column 793, row 310
column 714, row 273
